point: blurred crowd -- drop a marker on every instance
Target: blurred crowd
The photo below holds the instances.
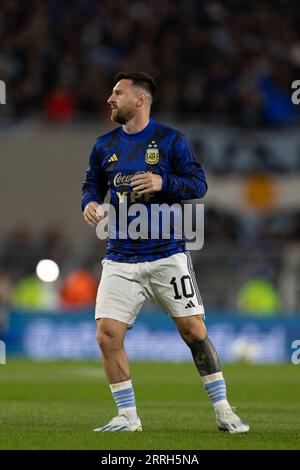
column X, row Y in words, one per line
column 21, row 287
column 230, row 60
column 242, row 268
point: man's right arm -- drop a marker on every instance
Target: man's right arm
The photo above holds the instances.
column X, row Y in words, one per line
column 94, row 189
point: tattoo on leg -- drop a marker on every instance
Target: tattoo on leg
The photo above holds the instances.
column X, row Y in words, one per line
column 205, row 357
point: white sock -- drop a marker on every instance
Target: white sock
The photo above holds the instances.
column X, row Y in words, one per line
column 216, row 389
column 123, row 395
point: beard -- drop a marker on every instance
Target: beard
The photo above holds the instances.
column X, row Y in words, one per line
column 121, row 116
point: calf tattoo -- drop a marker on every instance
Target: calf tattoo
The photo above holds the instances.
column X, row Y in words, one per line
column 205, row 357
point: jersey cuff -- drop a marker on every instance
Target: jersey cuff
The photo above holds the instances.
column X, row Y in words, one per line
column 86, row 200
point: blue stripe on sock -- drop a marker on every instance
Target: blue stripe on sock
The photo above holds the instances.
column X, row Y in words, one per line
column 130, row 404
column 121, row 393
column 216, row 390
column 124, row 398
column 219, row 398
column 214, row 384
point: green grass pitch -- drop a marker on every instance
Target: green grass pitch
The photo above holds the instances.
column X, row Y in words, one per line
column 56, row 405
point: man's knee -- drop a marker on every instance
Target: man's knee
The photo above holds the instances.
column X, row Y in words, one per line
column 108, row 338
column 103, row 339
column 192, row 329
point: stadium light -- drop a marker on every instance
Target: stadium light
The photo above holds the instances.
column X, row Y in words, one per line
column 47, row 270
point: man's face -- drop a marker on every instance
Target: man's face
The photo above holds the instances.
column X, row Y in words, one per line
column 123, row 101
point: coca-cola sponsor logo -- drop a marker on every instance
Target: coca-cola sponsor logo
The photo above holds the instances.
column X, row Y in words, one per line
column 125, row 180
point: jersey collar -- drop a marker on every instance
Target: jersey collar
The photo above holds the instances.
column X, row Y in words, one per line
column 141, row 134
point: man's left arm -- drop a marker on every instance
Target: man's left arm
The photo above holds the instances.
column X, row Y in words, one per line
column 187, row 180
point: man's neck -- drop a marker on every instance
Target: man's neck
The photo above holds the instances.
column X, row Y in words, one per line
column 136, row 124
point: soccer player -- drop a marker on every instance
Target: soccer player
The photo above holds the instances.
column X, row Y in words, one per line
column 144, row 161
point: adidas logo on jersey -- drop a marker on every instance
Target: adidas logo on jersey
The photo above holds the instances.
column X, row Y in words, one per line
column 113, row 158
column 190, row 304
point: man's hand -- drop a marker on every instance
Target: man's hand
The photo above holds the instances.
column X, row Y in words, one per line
column 146, row 183
column 93, row 213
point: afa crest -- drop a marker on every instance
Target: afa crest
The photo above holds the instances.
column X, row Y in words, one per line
column 152, row 154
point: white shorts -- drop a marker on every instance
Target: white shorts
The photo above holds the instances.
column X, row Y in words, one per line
column 169, row 283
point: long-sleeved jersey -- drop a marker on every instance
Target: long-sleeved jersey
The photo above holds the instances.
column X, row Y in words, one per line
column 116, row 157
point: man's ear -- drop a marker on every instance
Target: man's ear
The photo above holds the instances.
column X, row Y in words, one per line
column 141, row 100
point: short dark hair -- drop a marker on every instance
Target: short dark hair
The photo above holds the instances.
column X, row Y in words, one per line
column 138, row 78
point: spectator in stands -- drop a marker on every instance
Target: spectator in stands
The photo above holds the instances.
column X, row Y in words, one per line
column 78, row 290
column 213, row 59
column 258, row 296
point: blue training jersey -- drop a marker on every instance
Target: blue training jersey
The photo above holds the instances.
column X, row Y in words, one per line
column 116, row 157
